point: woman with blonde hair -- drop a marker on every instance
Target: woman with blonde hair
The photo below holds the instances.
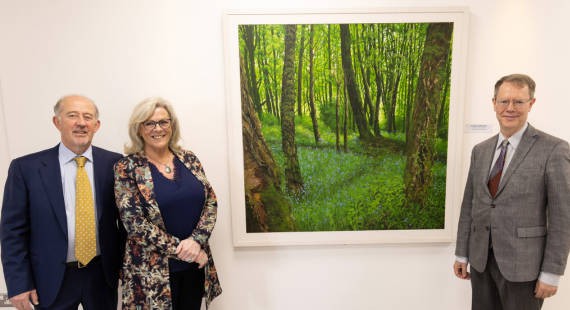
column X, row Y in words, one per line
column 168, row 208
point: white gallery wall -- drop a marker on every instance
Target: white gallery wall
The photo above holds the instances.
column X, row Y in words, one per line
column 120, row 52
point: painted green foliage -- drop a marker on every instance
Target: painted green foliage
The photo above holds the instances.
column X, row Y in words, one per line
column 385, row 89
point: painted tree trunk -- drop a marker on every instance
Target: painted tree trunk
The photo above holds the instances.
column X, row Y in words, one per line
column 443, row 118
column 312, row 88
column 329, row 58
column 345, row 126
column 337, row 118
column 410, row 99
column 352, row 88
column 266, row 208
column 276, row 93
column 292, row 170
column 423, row 128
column 300, row 74
column 365, row 83
column 265, row 73
column 393, row 104
column 250, row 43
column 379, row 91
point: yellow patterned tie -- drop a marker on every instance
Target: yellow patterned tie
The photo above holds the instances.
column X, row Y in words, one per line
column 85, row 247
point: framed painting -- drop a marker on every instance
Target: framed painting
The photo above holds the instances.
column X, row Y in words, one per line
column 345, row 125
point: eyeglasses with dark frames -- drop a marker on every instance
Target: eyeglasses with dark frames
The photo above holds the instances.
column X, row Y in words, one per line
column 151, row 125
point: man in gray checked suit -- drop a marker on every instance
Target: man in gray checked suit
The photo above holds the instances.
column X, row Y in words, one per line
column 514, row 226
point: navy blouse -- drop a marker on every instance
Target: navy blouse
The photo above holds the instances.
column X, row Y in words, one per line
column 180, row 201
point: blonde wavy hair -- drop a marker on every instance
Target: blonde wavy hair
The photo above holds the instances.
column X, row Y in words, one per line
column 142, row 112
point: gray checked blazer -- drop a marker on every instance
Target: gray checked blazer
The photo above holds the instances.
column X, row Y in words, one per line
column 529, row 218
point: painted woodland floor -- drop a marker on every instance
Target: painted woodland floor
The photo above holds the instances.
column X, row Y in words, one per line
column 362, row 189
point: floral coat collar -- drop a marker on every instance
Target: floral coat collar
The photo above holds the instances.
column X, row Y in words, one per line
column 145, row 278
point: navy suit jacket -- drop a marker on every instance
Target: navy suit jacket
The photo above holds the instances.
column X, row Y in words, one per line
column 33, row 226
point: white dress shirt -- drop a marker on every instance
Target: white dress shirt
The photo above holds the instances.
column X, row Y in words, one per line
column 545, row 277
column 68, row 168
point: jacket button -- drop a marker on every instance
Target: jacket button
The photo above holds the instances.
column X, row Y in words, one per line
column 63, row 262
column 487, row 228
column 493, row 205
column 65, row 239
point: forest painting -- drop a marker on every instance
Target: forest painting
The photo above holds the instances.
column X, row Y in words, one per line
column 345, row 126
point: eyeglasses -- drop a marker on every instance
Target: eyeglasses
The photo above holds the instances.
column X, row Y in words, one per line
column 150, row 125
column 517, row 103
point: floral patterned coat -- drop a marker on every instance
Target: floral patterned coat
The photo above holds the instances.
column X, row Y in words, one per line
column 145, row 276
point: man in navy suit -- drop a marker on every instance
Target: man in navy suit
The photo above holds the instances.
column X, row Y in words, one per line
column 37, row 226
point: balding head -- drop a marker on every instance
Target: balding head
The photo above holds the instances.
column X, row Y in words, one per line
column 58, row 106
column 76, row 120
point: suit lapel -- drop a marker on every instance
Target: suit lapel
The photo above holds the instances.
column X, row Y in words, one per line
column 528, row 139
column 488, row 154
column 100, row 170
column 51, row 179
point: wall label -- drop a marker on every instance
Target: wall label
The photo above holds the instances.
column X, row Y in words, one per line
column 478, row 128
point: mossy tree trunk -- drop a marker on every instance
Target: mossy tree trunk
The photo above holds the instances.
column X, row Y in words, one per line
column 292, row 170
column 423, row 128
column 266, row 208
column 351, row 86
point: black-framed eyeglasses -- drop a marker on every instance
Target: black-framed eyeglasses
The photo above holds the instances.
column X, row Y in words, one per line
column 517, row 103
column 150, row 125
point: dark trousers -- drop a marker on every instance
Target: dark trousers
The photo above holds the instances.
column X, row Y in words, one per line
column 86, row 286
column 491, row 291
column 187, row 287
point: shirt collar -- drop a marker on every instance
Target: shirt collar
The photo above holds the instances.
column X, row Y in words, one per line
column 66, row 155
column 515, row 139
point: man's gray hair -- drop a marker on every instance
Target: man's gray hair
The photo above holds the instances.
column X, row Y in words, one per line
column 57, row 106
column 519, row 80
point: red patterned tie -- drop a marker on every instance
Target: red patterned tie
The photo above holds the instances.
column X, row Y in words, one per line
column 497, row 171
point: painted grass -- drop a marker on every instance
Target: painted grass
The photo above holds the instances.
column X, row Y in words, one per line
column 359, row 190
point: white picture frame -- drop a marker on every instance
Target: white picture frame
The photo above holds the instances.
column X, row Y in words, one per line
column 233, row 18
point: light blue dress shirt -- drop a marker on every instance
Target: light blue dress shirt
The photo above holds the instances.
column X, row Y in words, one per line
column 68, row 168
column 545, row 277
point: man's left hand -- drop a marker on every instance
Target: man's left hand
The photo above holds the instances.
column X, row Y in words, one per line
column 543, row 290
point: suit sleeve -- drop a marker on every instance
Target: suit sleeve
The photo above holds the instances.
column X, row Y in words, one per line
column 465, row 219
column 15, row 233
column 203, row 230
column 139, row 228
column 558, row 210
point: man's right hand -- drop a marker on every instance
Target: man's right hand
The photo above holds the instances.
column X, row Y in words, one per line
column 22, row 301
column 460, row 270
